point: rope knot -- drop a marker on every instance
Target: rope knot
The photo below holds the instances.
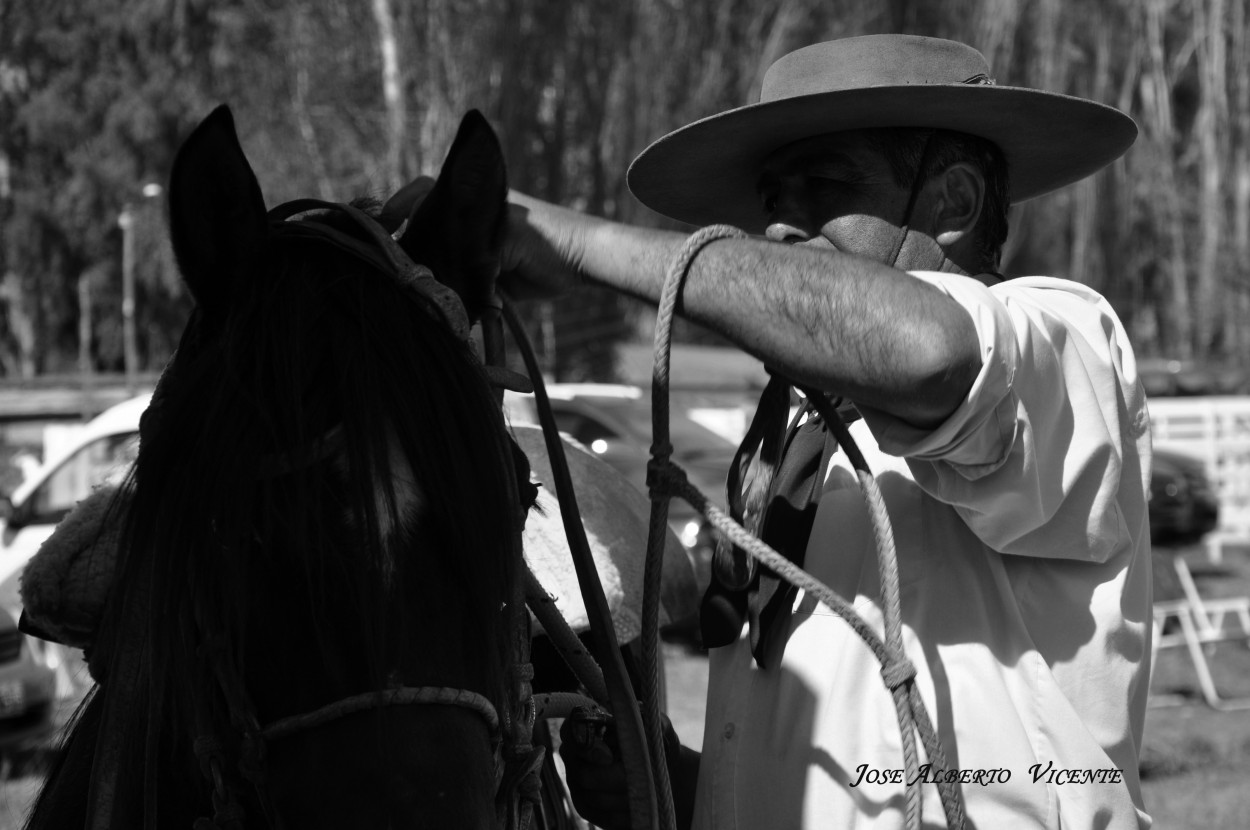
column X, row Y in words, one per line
column 661, row 474
column 229, row 815
column 661, row 451
column 897, row 672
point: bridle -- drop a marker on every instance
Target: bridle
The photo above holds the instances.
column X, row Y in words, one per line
column 516, row 761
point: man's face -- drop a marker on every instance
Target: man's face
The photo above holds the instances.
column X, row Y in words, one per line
column 833, row 191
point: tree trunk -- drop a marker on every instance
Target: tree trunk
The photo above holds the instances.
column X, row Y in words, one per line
column 996, row 33
column 393, row 95
column 1238, row 339
column 23, row 322
column 1084, row 264
column 1156, row 95
column 299, row 104
column 790, row 17
column 1209, row 125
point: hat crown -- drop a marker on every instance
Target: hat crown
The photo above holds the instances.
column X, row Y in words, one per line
column 872, row 61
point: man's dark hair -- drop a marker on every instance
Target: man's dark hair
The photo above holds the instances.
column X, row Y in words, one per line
column 904, row 149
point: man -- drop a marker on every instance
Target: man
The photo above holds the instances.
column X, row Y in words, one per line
column 1002, row 419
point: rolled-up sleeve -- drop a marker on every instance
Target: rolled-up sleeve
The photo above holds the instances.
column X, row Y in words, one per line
column 1031, row 459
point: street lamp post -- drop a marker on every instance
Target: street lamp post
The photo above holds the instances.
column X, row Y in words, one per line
column 130, row 349
column 126, row 222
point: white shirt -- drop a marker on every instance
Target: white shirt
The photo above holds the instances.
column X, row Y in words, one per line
column 1023, row 553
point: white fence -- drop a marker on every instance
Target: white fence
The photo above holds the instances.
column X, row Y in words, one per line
column 1217, row 431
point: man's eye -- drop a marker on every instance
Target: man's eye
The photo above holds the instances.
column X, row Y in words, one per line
column 770, row 204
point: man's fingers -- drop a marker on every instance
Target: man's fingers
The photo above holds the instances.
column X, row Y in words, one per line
column 586, row 741
column 593, row 769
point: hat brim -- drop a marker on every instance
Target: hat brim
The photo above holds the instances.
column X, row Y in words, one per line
column 707, row 172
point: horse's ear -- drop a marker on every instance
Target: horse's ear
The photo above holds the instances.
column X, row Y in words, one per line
column 217, row 221
column 456, row 229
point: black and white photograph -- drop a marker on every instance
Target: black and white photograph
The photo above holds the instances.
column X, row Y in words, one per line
column 624, row 414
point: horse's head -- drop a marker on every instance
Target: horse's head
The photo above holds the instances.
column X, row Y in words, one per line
column 325, row 502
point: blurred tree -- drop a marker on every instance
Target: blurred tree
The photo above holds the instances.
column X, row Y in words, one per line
column 97, row 95
column 343, row 98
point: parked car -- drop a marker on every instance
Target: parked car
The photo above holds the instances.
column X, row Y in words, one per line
column 100, row 453
column 38, row 673
column 28, row 690
column 613, row 421
column 1183, row 505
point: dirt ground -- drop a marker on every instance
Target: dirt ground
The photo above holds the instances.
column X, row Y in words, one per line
column 1195, row 760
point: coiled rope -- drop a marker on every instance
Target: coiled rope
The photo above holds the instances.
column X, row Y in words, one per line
column 666, row 480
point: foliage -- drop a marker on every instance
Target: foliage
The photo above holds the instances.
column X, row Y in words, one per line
column 95, row 95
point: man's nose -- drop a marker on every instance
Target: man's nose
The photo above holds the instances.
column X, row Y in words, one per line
column 783, row 231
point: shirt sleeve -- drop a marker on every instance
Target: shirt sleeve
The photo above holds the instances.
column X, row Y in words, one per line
column 1032, row 459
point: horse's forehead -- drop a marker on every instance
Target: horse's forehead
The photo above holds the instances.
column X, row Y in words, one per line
column 397, row 502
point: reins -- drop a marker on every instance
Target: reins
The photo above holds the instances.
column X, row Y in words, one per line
column 620, row 700
column 666, row 480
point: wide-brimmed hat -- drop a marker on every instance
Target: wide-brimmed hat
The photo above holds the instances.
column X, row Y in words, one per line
column 708, row 172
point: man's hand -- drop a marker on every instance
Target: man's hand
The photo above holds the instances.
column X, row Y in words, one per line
column 596, row 774
column 543, row 248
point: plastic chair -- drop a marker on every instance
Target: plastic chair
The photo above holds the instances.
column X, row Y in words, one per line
column 1202, row 624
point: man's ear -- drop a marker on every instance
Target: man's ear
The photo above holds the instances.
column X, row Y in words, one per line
column 217, row 222
column 456, row 225
column 959, row 197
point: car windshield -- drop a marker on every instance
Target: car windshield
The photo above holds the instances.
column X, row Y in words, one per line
column 103, row 461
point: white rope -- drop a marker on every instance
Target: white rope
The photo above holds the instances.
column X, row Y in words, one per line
column 665, row 480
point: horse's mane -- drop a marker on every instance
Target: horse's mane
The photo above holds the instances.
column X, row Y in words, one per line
column 310, row 346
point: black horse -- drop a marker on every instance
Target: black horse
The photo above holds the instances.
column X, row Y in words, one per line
column 317, row 609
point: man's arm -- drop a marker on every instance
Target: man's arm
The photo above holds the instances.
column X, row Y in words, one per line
column 841, row 323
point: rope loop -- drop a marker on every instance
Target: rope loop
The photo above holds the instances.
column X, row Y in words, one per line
column 666, row 480
column 661, row 471
column 403, row 695
column 207, row 748
column 898, row 672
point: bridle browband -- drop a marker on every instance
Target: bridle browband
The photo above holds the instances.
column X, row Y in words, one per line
column 384, row 255
column 387, row 257
column 511, row 740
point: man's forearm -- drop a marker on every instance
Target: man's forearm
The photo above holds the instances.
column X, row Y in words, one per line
column 838, row 322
